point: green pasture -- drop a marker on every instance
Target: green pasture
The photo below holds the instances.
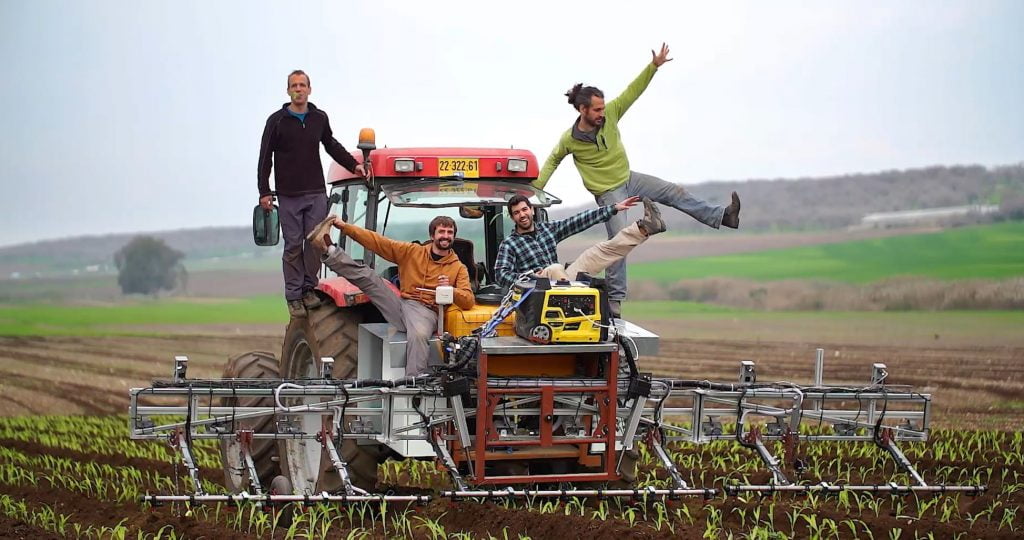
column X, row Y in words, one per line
column 51, row 319
column 987, row 251
column 671, row 319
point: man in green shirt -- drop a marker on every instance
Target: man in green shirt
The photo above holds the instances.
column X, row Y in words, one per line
column 596, row 147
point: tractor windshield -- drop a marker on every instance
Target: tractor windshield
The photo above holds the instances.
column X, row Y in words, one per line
column 447, row 193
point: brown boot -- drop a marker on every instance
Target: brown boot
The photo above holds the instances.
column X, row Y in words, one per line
column 731, row 218
column 320, row 236
column 296, row 309
column 311, row 300
column 651, row 223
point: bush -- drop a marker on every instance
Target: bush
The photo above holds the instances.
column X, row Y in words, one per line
column 147, row 265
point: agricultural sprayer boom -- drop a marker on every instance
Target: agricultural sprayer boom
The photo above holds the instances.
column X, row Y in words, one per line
column 489, row 432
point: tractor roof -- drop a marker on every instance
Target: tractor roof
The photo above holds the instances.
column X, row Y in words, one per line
column 482, row 163
column 434, row 193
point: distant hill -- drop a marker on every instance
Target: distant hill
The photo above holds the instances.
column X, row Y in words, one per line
column 95, row 254
column 805, row 204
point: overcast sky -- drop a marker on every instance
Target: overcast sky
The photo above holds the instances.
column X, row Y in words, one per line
column 144, row 116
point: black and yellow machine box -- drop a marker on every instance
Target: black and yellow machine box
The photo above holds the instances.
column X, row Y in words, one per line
column 560, row 312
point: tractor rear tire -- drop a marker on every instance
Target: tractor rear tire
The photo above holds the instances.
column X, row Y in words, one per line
column 250, row 365
column 327, row 331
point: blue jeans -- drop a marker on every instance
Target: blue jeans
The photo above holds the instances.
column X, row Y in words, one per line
column 659, row 191
column 300, row 260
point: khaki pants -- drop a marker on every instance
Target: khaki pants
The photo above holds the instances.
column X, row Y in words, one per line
column 600, row 256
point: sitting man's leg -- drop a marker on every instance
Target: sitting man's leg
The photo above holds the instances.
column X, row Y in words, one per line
column 604, row 254
column 362, row 276
column 420, row 324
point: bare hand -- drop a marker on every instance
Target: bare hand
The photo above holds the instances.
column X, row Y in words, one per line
column 338, row 222
column 628, row 203
column 660, row 58
column 267, row 202
column 360, row 170
column 442, row 280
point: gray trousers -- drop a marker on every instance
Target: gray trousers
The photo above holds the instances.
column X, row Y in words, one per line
column 300, row 260
column 660, row 191
column 416, row 319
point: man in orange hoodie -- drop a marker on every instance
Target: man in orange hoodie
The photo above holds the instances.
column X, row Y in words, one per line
column 419, row 267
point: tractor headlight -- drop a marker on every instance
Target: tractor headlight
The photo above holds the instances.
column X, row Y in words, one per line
column 516, row 165
column 405, row 165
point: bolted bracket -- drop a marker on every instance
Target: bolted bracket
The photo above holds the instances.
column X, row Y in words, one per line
column 180, row 368
column 326, row 367
column 878, row 374
column 748, row 374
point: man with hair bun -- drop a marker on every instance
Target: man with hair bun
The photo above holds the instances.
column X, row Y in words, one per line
column 419, row 267
column 600, row 157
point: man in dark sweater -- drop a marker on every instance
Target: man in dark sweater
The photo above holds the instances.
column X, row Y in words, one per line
column 291, row 145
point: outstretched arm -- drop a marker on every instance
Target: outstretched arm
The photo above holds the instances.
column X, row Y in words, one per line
column 389, row 249
column 567, row 227
column 550, row 164
column 618, row 106
column 505, row 264
column 338, row 152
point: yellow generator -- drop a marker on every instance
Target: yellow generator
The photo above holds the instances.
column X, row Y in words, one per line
column 563, row 312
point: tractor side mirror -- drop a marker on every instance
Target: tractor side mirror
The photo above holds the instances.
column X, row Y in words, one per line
column 471, row 212
column 540, row 215
column 266, row 226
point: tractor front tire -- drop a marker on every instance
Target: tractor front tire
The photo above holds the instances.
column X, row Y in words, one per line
column 327, row 331
column 250, row 365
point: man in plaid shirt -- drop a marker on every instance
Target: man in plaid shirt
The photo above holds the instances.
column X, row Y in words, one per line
column 532, row 247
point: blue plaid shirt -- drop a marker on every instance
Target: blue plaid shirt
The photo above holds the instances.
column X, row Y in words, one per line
column 534, row 250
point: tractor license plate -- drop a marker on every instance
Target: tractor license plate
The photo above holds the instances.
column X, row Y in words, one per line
column 462, row 167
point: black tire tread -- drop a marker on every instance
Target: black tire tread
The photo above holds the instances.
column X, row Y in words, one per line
column 333, row 331
column 253, row 365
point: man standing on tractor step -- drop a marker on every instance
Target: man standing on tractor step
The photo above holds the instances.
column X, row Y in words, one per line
column 532, row 247
column 291, row 145
column 596, row 147
column 419, row 267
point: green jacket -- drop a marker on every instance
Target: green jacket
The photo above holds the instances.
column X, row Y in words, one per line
column 603, row 166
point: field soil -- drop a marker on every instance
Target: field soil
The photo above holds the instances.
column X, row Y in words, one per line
column 971, row 384
column 975, row 386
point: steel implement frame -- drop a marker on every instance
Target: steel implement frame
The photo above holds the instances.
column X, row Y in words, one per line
column 883, row 415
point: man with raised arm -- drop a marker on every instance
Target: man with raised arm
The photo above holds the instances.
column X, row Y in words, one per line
column 596, row 146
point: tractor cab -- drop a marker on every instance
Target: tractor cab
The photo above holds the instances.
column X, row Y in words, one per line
column 407, row 188
column 405, row 207
column 411, row 186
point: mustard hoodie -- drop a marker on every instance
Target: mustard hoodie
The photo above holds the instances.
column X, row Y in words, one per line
column 416, row 268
